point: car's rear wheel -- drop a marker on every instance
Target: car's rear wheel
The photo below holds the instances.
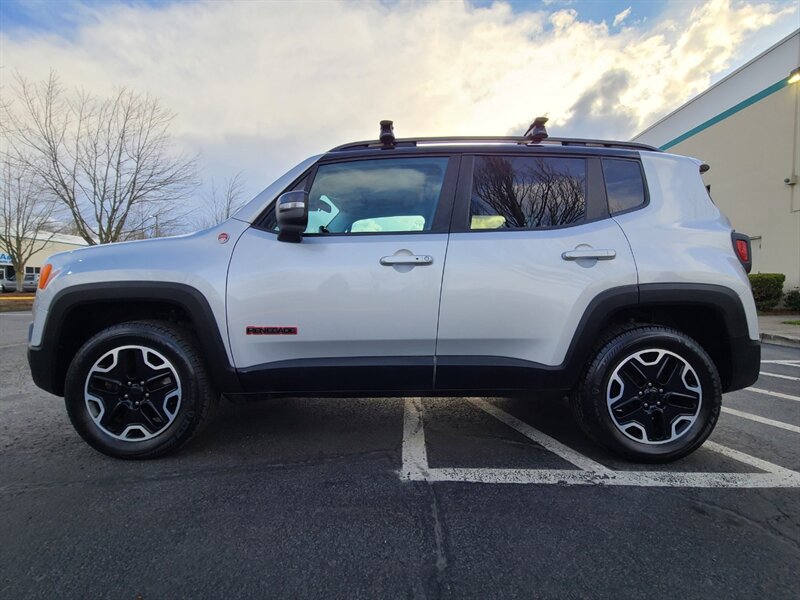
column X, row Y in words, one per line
column 138, row 390
column 651, row 394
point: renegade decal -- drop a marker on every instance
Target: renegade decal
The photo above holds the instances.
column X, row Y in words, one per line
column 255, row 330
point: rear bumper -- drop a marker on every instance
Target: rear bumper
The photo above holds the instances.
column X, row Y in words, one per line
column 745, row 363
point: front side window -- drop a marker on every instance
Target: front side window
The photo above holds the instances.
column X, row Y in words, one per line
column 376, row 196
column 527, row 192
column 624, row 184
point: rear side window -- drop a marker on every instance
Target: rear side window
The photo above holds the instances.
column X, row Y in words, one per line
column 527, row 192
column 624, row 185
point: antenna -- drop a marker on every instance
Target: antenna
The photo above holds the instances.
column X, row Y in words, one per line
column 387, row 134
column 537, row 132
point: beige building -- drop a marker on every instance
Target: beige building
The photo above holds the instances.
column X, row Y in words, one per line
column 49, row 243
column 747, row 128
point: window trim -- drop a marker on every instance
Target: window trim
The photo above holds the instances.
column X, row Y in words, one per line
column 644, row 204
column 441, row 218
column 596, row 204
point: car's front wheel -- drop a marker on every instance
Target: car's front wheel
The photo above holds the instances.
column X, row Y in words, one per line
column 138, row 390
column 651, row 394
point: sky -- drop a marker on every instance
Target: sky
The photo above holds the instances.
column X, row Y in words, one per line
column 258, row 86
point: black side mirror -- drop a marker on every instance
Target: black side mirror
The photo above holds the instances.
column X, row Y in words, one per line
column 292, row 216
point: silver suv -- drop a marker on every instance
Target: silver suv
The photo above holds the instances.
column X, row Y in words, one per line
column 597, row 270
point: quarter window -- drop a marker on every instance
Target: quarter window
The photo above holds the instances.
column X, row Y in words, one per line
column 527, row 192
column 624, row 184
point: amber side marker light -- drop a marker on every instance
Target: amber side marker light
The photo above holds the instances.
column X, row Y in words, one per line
column 44, row 275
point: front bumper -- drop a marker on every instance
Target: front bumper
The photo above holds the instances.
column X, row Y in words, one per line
column 43, row 370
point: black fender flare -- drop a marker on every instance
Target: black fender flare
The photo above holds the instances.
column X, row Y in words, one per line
column 743, row 353
column 44, row 359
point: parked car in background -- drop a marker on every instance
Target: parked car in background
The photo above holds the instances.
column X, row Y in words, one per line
column 9, row 283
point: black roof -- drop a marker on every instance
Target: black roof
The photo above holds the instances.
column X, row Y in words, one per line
column 491, row 143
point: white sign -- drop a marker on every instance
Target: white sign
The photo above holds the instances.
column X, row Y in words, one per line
column 5, row 259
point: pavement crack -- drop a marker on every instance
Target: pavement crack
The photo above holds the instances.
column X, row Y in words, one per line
column 439, row 539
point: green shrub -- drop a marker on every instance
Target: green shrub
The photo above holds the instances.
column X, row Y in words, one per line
column 767, row 289
column 792, row 299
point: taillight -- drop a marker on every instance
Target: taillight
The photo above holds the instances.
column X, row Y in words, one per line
column 742, row 251
column 741, row 246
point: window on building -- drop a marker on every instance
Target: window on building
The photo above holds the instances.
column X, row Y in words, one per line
column 624, row 184
column 527, row 192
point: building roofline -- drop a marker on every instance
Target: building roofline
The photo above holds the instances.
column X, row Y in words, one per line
column 730, row 75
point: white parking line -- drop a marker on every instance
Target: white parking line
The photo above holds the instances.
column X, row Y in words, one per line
column 415, row 456
column 786, row 363
column 775, row 394
column 757, row 419
column 779, row 376
column 415, row 463
column 548, row 443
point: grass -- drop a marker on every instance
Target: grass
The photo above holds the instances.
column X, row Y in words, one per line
column 795, row 322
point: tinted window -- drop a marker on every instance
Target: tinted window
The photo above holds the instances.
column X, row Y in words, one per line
column 389, row 195
column 527, row 192
column 624, row 184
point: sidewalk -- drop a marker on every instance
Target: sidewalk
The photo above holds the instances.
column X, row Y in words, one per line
column 775, row 331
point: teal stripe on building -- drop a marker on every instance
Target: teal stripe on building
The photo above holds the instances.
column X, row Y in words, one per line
column 725, row 114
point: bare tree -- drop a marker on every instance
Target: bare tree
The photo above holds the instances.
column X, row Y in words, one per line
column 220, row 204
column 109, row 161
column 25, row 210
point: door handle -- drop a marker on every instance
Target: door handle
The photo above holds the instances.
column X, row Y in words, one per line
column 406, row 259
column 589, row 253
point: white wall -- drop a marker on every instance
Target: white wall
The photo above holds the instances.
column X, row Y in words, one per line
column 752, row 78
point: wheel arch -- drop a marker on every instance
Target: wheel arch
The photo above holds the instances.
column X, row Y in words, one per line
column 713, row 315
column 77, row 313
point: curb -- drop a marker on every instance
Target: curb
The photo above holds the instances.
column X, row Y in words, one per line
column 781, row 340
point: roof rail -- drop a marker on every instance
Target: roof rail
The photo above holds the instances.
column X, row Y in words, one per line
column 413, row 142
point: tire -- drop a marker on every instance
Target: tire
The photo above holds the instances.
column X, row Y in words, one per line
column 656, row 423
column 155, row 416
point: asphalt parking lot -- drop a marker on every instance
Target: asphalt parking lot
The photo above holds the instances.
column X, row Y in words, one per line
column 394, row 498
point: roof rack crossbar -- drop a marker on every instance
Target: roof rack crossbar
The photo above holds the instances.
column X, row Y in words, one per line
column 406, row 142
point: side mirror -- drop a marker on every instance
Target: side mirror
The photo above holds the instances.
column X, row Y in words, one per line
column 292, row 216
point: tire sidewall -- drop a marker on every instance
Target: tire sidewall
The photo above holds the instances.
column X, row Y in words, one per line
column 131, row 334
column 620, row 349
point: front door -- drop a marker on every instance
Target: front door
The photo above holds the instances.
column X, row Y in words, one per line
column 354, row 306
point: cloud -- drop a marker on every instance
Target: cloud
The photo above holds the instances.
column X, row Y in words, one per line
column 601, row 110
column 258, row 86
column 619, row 18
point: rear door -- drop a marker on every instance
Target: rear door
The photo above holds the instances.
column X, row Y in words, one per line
column 531, row 247
column 354, row 306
